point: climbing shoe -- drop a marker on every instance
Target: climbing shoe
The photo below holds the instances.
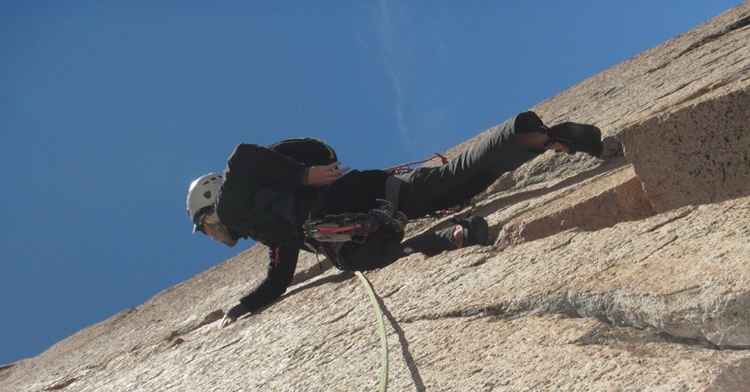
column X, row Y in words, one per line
column 578, row 137
column 475, row 230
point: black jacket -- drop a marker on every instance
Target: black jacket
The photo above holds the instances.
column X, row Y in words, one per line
column 263, row 198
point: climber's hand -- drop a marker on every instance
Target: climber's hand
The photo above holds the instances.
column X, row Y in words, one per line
column 233, row 314
column 226, row 321
column 559, row 147
column 323, row 175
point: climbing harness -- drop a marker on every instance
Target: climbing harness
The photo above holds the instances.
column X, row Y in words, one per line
column 340, row 228
column 333, row 231
column 354, row 226
column 381, row 328
column 409, row 166
column 330, row 233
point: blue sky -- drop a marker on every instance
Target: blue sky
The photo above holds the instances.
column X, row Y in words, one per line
column 109, row 109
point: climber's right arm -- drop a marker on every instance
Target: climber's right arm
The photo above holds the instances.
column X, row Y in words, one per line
column 281, row 266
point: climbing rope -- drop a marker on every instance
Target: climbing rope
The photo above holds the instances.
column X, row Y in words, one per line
column 409, row 166
column 381, row 327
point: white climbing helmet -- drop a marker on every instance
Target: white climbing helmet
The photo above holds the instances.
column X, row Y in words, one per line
column 202, row 193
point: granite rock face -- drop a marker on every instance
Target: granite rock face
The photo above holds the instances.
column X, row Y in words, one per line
column 699, row 154
column 629, row 273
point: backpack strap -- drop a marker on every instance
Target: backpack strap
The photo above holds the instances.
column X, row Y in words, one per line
column 308, row 151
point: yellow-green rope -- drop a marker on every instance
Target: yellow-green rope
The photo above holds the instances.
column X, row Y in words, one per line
column 381, row 326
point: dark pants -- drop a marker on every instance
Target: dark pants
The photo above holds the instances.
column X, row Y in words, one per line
column 430, row 189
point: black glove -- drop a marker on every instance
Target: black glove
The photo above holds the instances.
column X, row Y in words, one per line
column 578, row 137
column 237, row 311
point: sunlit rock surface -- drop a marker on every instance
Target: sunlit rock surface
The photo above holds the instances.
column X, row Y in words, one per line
column 629, row 273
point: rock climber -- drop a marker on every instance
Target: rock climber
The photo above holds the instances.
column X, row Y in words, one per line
column 269, row 193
